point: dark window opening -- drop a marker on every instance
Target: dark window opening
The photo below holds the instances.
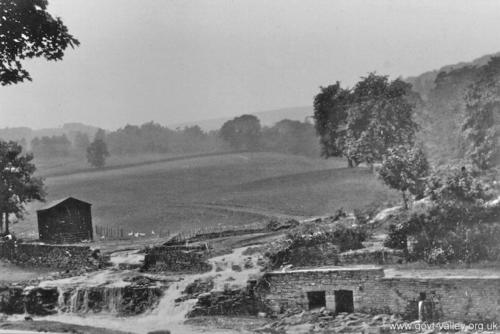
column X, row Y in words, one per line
column 344, row 301
column 422, row 296
column 316, row 299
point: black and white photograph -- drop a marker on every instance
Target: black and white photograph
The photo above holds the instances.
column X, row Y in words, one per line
column 249, row 166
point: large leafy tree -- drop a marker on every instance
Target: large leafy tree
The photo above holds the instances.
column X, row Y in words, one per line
column 242, row 133
column 480, row 127
column 18, row 186
column 379, row 117
column 27, row 30
column 362, row 123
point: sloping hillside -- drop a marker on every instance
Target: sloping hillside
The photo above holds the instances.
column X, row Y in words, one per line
column 267, row 118
column 231, row 189
column 442, row 113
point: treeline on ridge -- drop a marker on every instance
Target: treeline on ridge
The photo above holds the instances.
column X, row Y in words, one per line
column 243, row 133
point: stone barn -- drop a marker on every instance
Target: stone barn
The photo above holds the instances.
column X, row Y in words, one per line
column 67, row 220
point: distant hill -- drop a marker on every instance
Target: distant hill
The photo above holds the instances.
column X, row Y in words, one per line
column 442, row 111
column 267, row 118
column 425, row 82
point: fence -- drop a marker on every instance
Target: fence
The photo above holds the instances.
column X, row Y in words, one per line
column 119, row 233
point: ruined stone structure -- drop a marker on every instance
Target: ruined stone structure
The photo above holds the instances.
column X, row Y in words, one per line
column 177, row 259
column 65, row 221
column 368, row 290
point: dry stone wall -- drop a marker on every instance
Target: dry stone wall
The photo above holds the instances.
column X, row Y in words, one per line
column 64, row 257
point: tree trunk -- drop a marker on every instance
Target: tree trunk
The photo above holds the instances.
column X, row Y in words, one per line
column 350, row 164
column 1, row 223
column 405, row 200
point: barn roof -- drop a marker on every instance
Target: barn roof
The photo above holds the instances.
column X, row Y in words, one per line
column 60, row 201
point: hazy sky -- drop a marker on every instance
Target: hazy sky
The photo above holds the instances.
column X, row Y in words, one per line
column 175, row 61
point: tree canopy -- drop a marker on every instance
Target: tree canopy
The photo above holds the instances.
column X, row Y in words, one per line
column 405, row 169
column 27, row 30
column 362, row 123
column 242, row 133
column 18, row 186
column 97, row 152
column 482, row 112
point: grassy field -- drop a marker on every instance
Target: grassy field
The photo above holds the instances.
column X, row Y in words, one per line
column 230, row 189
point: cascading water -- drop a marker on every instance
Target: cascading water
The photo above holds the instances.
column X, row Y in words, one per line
column 98, row 299
column 168, row 314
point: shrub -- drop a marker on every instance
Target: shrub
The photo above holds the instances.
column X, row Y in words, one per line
column 315, row 243
column 457, row 228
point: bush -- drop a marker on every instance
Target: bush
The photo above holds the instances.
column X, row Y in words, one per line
column 457, row 228
column 315, row 243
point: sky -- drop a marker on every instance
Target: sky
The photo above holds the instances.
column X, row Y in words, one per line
column 174, row 61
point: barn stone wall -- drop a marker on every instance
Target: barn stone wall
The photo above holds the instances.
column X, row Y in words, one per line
column 50, row 256
column 457, row 299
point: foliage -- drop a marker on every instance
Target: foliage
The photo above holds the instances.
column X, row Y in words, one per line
column 364, row 122
column 405, row 169
column 456, row 227
column 51, row 147
column 154, row 138
column 482, row 110
column 81, row 142
column 18, row 186
column 291, row 137
column 242, row 133
column 313, row 243
column 330, row 113
column 27, row 30
column 97, row 152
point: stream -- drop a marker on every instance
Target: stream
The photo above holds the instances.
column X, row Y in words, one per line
column 75, row 305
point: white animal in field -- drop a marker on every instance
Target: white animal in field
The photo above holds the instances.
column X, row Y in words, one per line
column 153, row 232
column 131, row 234
column 142, row 234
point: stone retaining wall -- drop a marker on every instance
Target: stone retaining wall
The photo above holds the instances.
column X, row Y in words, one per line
column 63, row 257
column 177, row 259
column 372, row 256
column 457, row 299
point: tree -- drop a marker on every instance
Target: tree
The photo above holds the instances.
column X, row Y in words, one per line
column 97, row 152
column 292, row 137
column 380, row 115
column 18, row 186
column 27, row 30
column 242, row 133
column 330, row 114
column 362, row 123
column 405, row 169
column 81, row 143
column 482, row 110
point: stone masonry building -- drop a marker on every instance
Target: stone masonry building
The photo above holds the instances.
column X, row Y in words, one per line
column 369, row 290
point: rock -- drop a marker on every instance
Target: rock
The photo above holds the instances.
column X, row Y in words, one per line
column 261, row 315
column 28, row 318
column 236, row 267
column 160, row 332
column 276, row 224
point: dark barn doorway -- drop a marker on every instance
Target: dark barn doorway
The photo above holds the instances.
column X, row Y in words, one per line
column 344, row 301
column 316, row 299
